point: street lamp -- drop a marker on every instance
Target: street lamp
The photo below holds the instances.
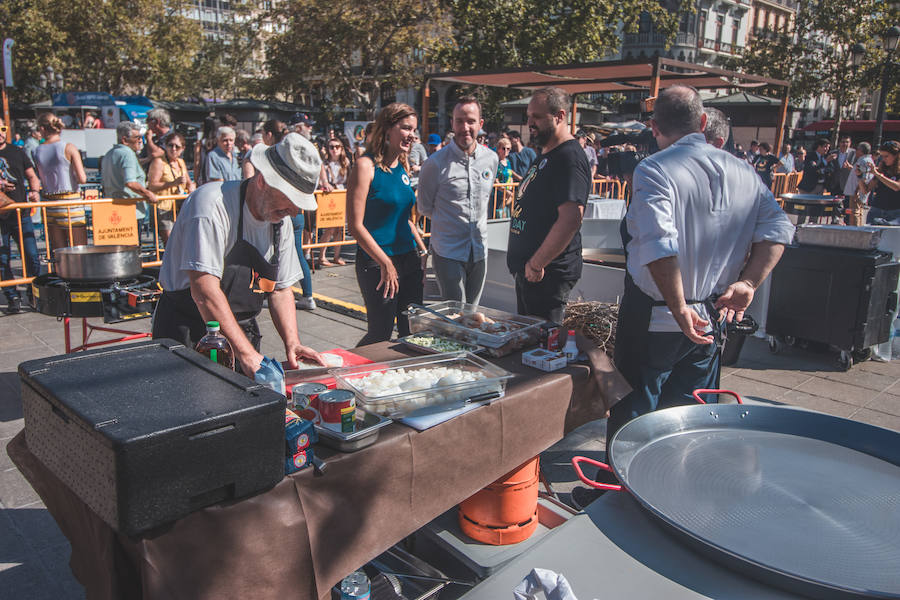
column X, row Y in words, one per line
column 889, row 40
column 51, row 81
column 857, row 55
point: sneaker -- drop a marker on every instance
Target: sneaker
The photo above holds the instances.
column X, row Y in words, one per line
column 306, row 303
column 13, row 306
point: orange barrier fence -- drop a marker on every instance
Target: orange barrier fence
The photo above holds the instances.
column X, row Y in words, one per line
column 608, row 187
column 785, row 183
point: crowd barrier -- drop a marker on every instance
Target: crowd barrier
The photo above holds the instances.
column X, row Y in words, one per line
column 152, row 249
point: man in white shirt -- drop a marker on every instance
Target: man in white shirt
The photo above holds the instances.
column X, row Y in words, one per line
column 786, row 160
column 696, row 214
column 232, row 247
column 455, row 186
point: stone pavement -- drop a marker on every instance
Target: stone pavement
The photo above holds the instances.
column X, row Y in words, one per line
column 34, row 555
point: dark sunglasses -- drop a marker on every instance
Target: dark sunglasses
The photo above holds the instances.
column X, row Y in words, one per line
column 174, row 146
column 335, row 147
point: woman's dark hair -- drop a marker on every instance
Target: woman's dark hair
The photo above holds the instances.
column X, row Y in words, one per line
column 275, row 128
column 228, row 120
column 210, row 125
column 893, row 148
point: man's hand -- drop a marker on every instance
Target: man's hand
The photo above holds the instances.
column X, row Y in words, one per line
column 296, row 351
column 250, row 362
column 151, row 197
column 533, row 274
column 735, row 300
column 34, row 196
column 692, row 325
column 6, row 186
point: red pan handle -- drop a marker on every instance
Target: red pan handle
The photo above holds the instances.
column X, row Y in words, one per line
column 591, row 482
column 728, row 392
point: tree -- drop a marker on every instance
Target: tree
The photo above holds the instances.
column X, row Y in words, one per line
column 490, row 34
column 225, row 58
column 346, row 52
column 815, row 56
column 127, row 46
column 495, row 34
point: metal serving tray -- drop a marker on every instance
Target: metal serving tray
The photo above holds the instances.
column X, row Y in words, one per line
column 495, row 344
column 398, row 405
column 427, row 350
column 839, row 236
column 367, row 427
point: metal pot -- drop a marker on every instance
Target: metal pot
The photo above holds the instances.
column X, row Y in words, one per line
column 98, row 263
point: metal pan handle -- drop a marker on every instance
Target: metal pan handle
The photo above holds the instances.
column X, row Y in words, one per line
column 697, row 393
column 591, row 482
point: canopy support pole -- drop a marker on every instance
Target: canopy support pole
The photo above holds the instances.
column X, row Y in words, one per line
column 426, row 95
column 782, row 118
column 574, row 113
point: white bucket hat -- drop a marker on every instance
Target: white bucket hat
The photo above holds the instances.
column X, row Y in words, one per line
column 291, row 166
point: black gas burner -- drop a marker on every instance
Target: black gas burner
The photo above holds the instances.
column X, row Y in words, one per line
column 115, row 301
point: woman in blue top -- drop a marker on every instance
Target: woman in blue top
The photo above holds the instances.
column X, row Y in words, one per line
column 390, row 262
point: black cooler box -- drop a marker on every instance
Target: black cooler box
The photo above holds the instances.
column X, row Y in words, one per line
column 146, row 433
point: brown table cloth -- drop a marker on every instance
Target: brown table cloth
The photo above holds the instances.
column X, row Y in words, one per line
column 301, row 537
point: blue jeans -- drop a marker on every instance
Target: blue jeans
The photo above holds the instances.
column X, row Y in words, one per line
column 306, row 282
column 9, row 232
column 891, row 216
column 672, row 369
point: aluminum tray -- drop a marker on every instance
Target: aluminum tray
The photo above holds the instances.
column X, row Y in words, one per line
column 839, row 236
column 426, row 350
column 404, row 403
column 495, row 344
column 367, row 427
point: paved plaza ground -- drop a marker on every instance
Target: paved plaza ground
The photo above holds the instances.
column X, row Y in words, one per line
column 34, row 555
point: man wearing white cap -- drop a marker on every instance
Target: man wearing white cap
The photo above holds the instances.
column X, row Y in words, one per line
column 232, row 246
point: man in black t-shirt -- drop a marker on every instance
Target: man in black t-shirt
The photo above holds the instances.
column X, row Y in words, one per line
column 765, row 163
column 16, row 174
column 544, row 250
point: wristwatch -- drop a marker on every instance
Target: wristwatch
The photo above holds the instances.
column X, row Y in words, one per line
column 423, row 253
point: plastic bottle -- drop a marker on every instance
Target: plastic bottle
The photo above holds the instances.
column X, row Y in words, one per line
column 571, row 349
column 355, row 586
column 215, row 346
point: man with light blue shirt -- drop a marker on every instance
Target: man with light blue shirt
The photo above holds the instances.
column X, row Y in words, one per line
column 122, row 175
column 222, row 162
column 701, row 234
column 455, row 186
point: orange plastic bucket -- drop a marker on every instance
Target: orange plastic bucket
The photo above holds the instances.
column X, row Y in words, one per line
column 511, row 501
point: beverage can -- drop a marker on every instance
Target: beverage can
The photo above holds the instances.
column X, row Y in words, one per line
column 331, row 406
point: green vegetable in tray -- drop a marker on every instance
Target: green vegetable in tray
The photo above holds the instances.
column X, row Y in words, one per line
column 437, row 343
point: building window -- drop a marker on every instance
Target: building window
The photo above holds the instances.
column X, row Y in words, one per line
column 720, row 24
column 702, row 32
column 735, row 27
column 644, row 24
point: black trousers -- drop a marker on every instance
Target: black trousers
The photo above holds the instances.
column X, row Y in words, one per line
column 380, row 311
column 546, row 298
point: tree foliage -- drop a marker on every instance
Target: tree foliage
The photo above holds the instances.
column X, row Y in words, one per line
column 815, row 56
column 344, row 52
column 512, row 33
column 125, row 46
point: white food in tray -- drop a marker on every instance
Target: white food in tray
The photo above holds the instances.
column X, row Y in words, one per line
column 401, row 380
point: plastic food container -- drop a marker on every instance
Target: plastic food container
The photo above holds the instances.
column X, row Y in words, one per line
column 413, row 343
column 398, row 405
column 507, row 334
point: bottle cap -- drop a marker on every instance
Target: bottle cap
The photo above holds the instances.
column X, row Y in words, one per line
column 212, row 325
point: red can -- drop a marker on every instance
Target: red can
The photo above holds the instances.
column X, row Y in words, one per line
column 332, row 407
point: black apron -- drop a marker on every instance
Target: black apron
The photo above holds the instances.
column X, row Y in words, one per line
column 632, row 327
column 178, row 317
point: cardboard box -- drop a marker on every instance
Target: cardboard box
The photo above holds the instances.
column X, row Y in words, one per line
column 544, row 360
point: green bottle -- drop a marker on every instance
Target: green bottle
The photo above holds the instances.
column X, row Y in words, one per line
column 216, row 346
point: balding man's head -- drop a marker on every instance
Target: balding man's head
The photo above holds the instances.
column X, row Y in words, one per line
column 678, row 111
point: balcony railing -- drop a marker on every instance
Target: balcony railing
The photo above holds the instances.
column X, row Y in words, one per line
column 715, row 46
column 653, row 39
